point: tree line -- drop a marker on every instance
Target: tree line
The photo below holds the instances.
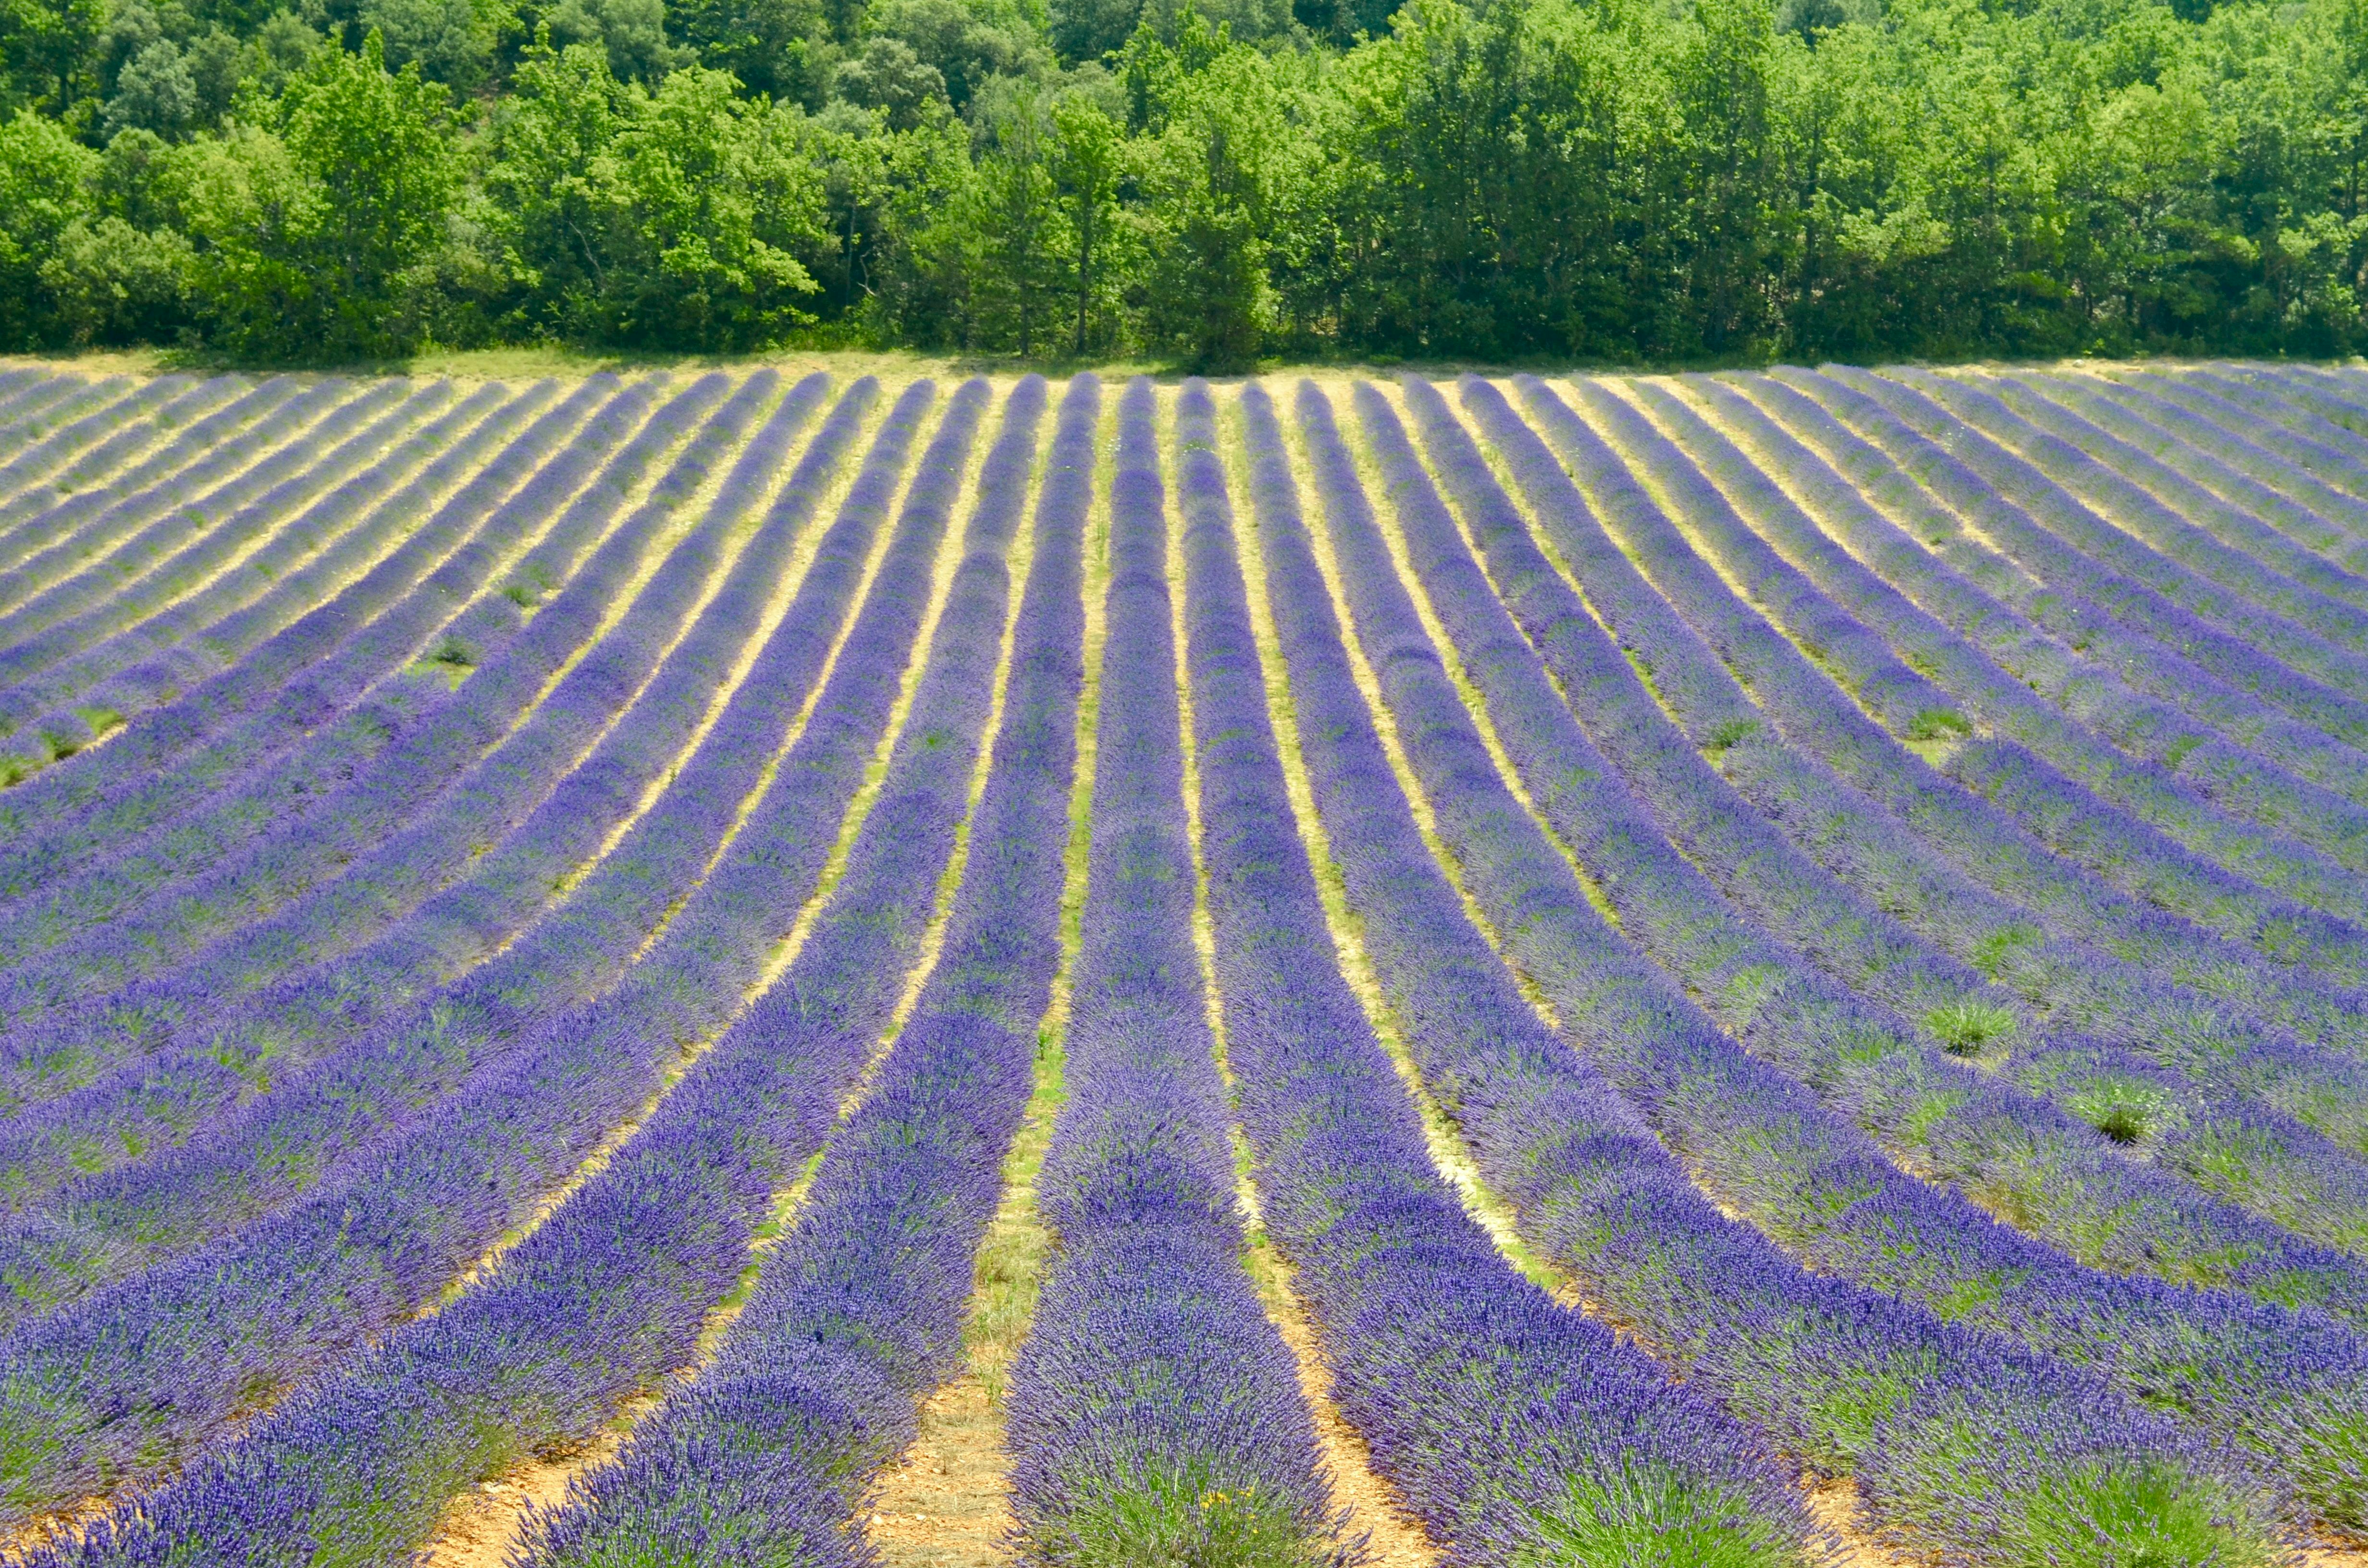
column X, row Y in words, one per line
column 1207, row 182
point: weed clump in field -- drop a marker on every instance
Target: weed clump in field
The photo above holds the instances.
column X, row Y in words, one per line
column 1970, row 1027
column 1650, row 1514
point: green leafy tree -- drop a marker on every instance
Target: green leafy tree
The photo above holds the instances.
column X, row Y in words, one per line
column 1628, row 180
column 155, row 91
column 901, row 205
column 308, row 233
column 1720, row 86
column 1086, row 160
column 1212, row 176
column 670, row 218
column 451, row 42
column 888, row 76
column 547, row 211
column 122, row 274
column 276, row 55
column 1485, row 198
column 44, row 191
column 776, row 49
column 375, row 148
column 967, row 42
column 1014, row 215
column 47, row 49
column 1086, row 30
column 632, row 32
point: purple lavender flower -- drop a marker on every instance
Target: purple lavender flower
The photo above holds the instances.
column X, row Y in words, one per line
column 2022, row 1158
column 1542, row 1125
column 1155, row 1413
column 460, row 1114
column 612, row 1290
column 310, row 671
column 766, row 1456
column 349, row 527
column 1513, row 1428
column 2112, row 563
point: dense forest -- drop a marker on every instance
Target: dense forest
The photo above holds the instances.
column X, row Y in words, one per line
column 1207, row 182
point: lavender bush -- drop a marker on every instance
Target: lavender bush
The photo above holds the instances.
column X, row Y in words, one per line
column 1155, row 1413
column 1864, row 880
column 1908, row 703
column 379, row 1053
column 612, row 1292
column 2149, row 760
column 316, row 669
column 65, row 433
column 1517, row 1431
column 56, row 462
column 126, row 1376
column 55, row 598
column 321, row 973
column 1922, row 1097
column 2111, row 512
column 2074, row 542
column 1854, row 1381
column 2310, row 949
column 330, row 542
column 2084, row 990
column 2234, row 471
column 766, row 1456
column 89, row 946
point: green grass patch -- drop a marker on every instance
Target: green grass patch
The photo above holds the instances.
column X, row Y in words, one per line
column 1732, row 732
column 1938, row 724
column 1178, row 1514
column 1969, row 1026
column 1647, row 1516
column 1994, row 952
column 2149, row 1515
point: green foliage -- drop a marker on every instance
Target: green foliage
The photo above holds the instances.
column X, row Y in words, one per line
column 1089, row 30
column 1649, row 1516
column 1219, row 153
column 638, row 218
column 1967, row 1027
column 771, row 46
column 1213, row 182
column 44, row 175
column 2103, row 1515
column 1086, row 160
column 1170, row 1514
column 888, row 76
column 451, row 42
column 631, row 32
column 967, row 42
column 308, row 231
column 155, row 91
column 1014, row 216
column 1938, row 725
column 708, row 197
column 2125, row 1110
column 49, row 52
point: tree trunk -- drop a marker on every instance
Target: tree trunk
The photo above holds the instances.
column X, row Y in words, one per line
column 1084, row 275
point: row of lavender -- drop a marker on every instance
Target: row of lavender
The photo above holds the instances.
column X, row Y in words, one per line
column 1789, row 1167
column 2058, row 1449
column 638, row 697
column 374, row 1033
column 307, row 1470
column 429, row 1135
column 613, row 1290
column 769, row 1449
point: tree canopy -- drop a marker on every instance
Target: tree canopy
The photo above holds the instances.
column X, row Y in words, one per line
column 1207, row 181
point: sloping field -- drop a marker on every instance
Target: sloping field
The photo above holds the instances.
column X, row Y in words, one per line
column 720, row 969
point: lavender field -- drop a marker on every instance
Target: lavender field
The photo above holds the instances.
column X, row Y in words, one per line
column 730, row 968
